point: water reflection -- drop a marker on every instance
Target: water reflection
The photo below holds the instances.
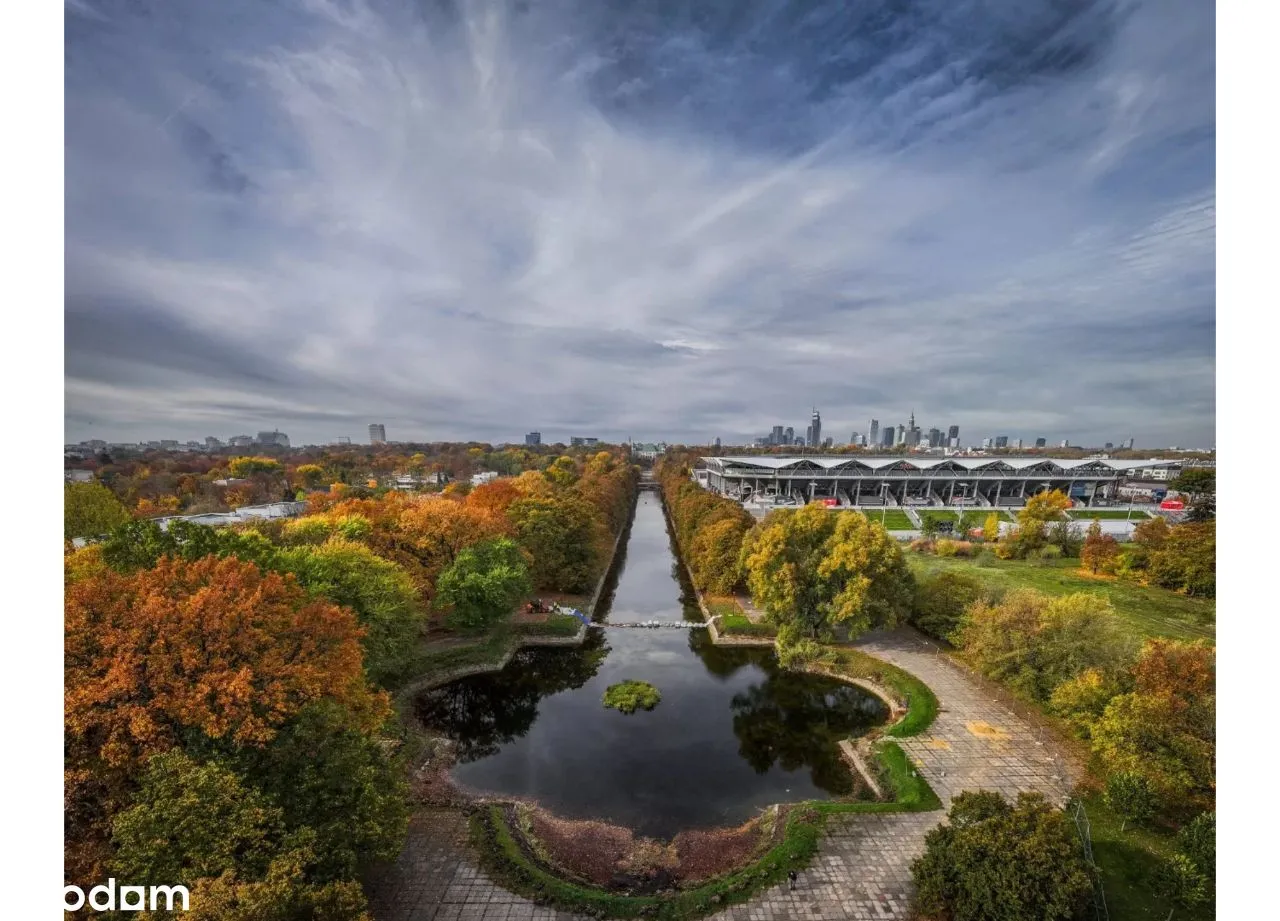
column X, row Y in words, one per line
column 732, row 734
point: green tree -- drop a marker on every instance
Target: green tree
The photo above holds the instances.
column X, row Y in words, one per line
column 1130, row 796
column 941, row 601
column 1199, row 484
column 997, row 861
column 337, row 781
column 191, row 820
column 90, row 510
column 241, row 467
column 814, row 572
column 1188, row 561
column 484, row 584
column 563, row 538
column 380, row 593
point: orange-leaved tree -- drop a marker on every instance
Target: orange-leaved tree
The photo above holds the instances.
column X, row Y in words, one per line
column 214, row 650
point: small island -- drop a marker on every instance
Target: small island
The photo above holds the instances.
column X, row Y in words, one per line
column 629, row 696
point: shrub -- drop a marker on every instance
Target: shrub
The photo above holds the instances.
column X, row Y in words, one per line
column 921, row 545
column 1130, row 796
column 630, row 696
column 986, row 558
column 997, row 861
column 941, row 601
column 1198, row 840
column 484, row 584
column 1179, row 880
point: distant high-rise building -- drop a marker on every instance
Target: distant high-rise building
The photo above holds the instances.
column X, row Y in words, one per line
column 241, row 441
column 344, row 439
column 913, row 437
column 1108, row 446
column 212, row 443
column 953, row 431
column 777, row 436
column 887, row 437
column 1002, row 441
column 533, row 438
column 828, row 441
column 1064, row 443
column 986, row 442
column 901, row 437
column 377, row 433
column 935, row 438
column 277, row 438
column 717, row 442
column 580, row 441
column 1018, row 444
column 790, row 435
column 855, row 439
column 808, row 435
column 953, row 442
column 873, row 432
column 1128, row 445
column 1040, row 442
column 815, row 424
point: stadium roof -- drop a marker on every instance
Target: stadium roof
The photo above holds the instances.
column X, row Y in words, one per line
column 860, row 461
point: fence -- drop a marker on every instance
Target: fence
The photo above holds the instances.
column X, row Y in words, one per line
column 1075, row 809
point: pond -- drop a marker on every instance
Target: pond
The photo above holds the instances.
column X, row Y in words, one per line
column 733, row 733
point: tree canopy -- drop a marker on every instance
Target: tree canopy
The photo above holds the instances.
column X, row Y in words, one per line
column 90, row 510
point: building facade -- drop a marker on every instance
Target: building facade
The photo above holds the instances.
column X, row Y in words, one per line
column 377, row 433
column 533, row 438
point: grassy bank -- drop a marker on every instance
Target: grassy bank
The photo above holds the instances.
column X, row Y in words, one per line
column 1148, row 610
column 1108, row 514
column 920, row 701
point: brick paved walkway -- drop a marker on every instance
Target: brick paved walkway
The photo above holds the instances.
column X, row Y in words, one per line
column 863, row 866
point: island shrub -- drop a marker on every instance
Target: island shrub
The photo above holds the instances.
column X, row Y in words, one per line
column 630, row 696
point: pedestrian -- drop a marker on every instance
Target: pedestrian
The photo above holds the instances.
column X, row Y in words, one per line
column 791, row 878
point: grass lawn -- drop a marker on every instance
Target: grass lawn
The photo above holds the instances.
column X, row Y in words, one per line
column 1127, row 862
column 895, row 519
column 741, row 625
column 1150, row 611
column 1108, row 514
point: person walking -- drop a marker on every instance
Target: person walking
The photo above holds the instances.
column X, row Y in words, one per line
column 791, row 878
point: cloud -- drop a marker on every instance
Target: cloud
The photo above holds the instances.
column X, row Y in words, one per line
column 472, row 219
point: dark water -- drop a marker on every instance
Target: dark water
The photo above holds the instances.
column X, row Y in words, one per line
column 733, row 732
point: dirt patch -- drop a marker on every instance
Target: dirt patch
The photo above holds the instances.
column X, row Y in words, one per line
column 593, row 851
column 940, row 744
column 987, row 731
column 430, row 783
column 702, row 853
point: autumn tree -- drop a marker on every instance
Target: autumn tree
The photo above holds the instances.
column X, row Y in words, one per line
column 483, row 585
column 1199, row 485
column 1035, row 642
column 214, row 649
column 1151, row 534
column 1100, row 550
column 713, row 554
column 90, row 510
column 244, row 467
column 991, row 528
column 495, row 497
column 814, row 572
column 308, row 476
column 1188, row 560
column 1164, row 728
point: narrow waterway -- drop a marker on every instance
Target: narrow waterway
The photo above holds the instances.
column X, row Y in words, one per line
column 733, row 733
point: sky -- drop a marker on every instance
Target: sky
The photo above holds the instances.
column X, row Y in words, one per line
column 639, row 218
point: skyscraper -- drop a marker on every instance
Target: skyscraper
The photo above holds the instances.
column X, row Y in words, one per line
column 1128, row 445
column 777, row 437
column 816, row 426
column 901, row 437
column 1002, row 441
column 953, row 431
column 533, row 438
column 717, row 442
column 873, row 432
column 887, row 438
column 377, row 433
column 791, row 435
column 935, row 438
column 1039, row 442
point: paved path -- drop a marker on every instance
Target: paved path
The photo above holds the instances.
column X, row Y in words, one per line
column 863, row 868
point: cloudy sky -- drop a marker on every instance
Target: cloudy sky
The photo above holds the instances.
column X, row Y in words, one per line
column 644, row 218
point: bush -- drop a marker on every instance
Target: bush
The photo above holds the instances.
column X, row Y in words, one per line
column 997, row 861
column 921, row 545
column 1198, row 840
column 954, row 548
column 986, row 558
column 1179, row 880
column 1130, row 796
column 941, row 601
column 483, row 585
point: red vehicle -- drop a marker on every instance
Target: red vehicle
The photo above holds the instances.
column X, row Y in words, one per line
column 1173, row 505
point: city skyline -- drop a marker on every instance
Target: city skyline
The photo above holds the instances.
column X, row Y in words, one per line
column 266, row 227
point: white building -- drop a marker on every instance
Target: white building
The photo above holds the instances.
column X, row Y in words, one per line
column 487, row 476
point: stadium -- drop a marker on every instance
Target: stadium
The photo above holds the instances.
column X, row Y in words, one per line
column 860, row 481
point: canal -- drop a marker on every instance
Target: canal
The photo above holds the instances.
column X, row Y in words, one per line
column 732, row 734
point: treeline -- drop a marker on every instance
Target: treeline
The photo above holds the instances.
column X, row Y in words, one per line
column 167, row 483
column 228, row 724
column 709, row 528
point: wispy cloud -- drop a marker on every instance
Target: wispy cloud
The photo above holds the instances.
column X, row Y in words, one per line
column 478, row 218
